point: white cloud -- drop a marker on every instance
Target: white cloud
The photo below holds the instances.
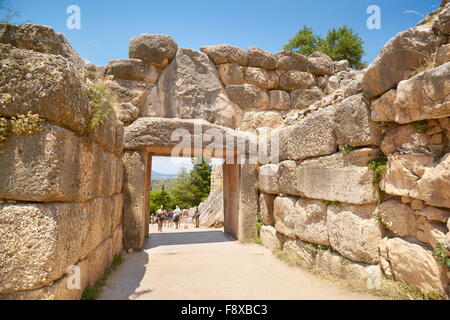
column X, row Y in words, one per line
column 414, row 12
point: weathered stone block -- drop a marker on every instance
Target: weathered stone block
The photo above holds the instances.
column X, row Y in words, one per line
column 294, row 80
column 266, row 202
column 43, row 84
column 311, row 221
column 312, row 137
column 339, row 177
column 259, row 58
column 301, row 252
column 230, row 73
column 268, row 178
column 269, row 238
column 279, row 100
column 287, row 178
column 225, row 53
column 157, row 49
column 353, row 125
column 38, row 243
column 404, row 139
column 398, row 217
column 266, row 119
column 289, row 60
column 133, row 69
column 197, row 92
column 400, row 56
column 285, row 215
column 303, row 98
column 248, row 96
column 261, row 78
column 409, row 260
column 354, row 232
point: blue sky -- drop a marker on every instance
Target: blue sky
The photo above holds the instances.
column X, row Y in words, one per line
column 108, row 25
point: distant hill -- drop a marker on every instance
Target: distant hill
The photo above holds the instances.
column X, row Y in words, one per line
column 163, row 176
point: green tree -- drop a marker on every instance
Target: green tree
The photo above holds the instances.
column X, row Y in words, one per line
column 182, row 191
column 200, row 177
column 339, row 44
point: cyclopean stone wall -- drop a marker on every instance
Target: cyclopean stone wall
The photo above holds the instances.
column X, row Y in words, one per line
column 321, row 203
column 60, row 188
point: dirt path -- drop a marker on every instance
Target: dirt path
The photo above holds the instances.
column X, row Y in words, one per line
column 207, row 264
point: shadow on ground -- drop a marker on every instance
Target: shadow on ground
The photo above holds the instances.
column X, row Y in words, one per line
column 177, row 238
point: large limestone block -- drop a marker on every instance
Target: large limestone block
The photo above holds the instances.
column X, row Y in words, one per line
column 311, row 221
column 354, row 232
column 414, row 264
column 268, row 178
column 294, row 80
column 225, row 53
column 135, row 206
column 248, row 96
column 109, row 134
column 339, row 177
column 443, row 54
column 312, row 137
column 253, row 120
column 398, row 217
column 117, row 241
column 42, row 83
column 288, row 60
column 442, row 23
column 266, row 203
column 435, row 214
column 287, row 178
column 285, row 215
column 400, row 56
column 189, row 88
column 432, row 232
column 403, row 173
column 97, row 262
column 353, row 125
column 279, row 100
column 384, row 109
column 117, row 211
column 211, row 210
column 425, row 96
column 41, row 39
column 133, row 69
column 57, row 165
column 39, row 242
column 261, row 78
column 259, row 58
column 230, row 73
column 301, row 251
column 58, row 290
column 320, row 65
column 434, row 185
column 270, row 238
column 164, row 134
column 303, row 98
column 404, row 139
column 331, row 263
column 157, row 49
column 101, row 211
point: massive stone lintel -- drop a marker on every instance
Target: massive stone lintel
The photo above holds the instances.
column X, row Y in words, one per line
column 161, row 135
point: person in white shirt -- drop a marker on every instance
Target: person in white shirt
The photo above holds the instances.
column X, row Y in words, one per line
column 176, row 216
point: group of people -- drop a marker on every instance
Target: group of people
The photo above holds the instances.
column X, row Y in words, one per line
column 176, row 217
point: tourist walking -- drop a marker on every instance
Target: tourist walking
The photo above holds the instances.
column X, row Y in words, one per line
column 185, row 218
column 197, row 217
column 160, row 216
column 176, row 216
